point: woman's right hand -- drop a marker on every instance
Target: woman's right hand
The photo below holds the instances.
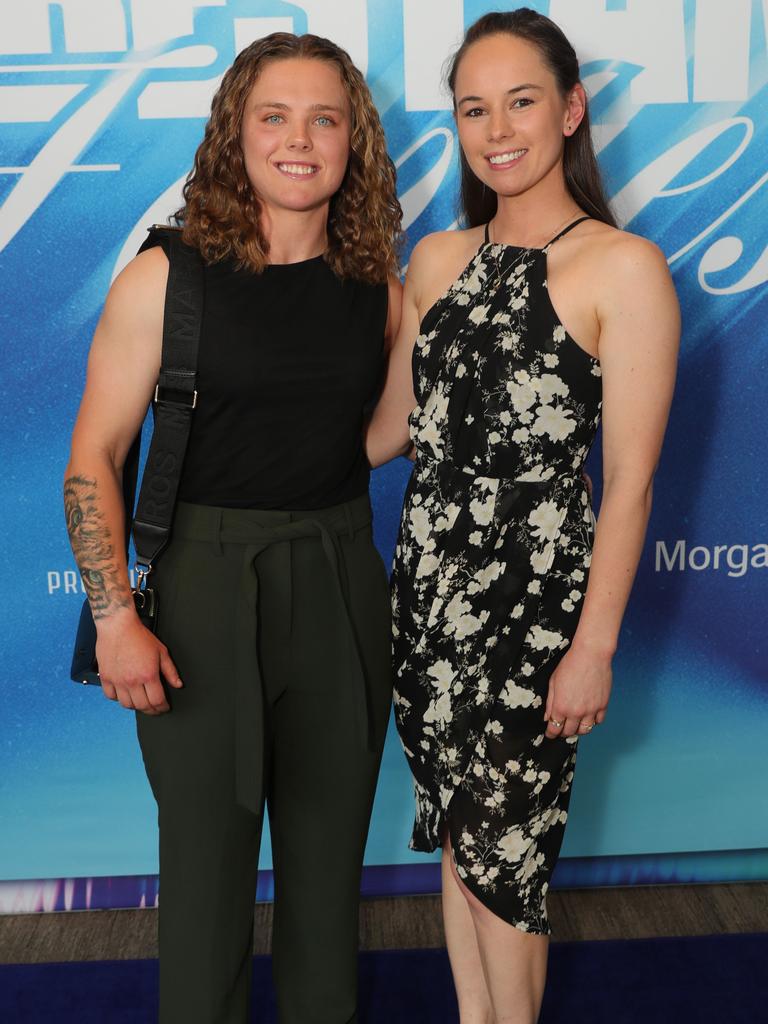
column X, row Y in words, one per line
column 133, row 663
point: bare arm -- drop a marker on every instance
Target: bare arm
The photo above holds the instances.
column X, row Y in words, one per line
column 639, row 337
column 123, row 365
column 386, row 435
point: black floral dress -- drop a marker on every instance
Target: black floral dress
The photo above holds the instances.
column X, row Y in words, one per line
column 490, row 571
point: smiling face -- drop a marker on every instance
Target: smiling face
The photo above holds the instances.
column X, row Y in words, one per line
column 510, row 114
column 295, row 133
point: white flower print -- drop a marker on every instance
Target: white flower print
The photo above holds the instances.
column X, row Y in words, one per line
column 539, row 638
column 549, row 386
column 439, row 710
column 545, row 519
column 430, row 435
column 427, row 564
column 482, row 511
column 442, row 674
column 513, row 845
column 514, row 696
column 474, row 283
column 459, row 620
column 531, row 864
column 420, row 525
column 479, row 314
column 537, row 474
column 523, row 396
column 483, row 578
column 555, row 422
column 540, row 560
column 495, row 534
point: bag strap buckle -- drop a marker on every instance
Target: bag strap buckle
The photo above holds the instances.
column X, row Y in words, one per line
column 142, row 571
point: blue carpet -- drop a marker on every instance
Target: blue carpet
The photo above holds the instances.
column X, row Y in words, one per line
column 707, row 980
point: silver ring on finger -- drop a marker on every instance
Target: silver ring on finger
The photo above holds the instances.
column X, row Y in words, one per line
column 557, row 725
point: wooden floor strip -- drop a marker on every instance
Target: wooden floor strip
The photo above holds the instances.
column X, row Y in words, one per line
column 411, row 922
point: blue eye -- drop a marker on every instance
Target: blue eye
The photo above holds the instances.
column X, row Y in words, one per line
column 273, row 119
column 323, row 121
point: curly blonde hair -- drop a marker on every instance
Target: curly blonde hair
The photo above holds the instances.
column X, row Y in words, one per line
column 220, row 216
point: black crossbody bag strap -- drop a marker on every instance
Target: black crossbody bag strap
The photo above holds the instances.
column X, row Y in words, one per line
column 175, row 400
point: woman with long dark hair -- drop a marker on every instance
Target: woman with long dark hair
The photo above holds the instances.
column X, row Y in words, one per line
column 517, row 332
column 273, row 602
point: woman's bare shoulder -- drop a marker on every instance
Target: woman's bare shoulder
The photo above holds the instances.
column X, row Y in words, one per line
column 139, row 288
column 445, row 246
column 135, row 303
column 438, row 259
column 617, row 249
column 630, row 276
column 613, row 262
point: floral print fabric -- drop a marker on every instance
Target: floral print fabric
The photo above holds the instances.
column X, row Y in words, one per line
column 491, row 567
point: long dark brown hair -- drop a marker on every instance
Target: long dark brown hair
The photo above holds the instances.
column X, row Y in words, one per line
column 580, row 167
column 220, row 216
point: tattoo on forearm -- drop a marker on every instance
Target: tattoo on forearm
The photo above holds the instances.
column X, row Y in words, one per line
column 94, row 552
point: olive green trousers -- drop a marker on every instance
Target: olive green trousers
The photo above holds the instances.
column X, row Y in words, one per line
column 279, row 625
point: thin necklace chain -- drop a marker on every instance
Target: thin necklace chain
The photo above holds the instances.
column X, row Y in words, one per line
column 526, row 250
column 562, row 224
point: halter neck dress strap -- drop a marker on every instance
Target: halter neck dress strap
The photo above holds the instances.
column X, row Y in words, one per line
column 551, row 241
column 565, row 230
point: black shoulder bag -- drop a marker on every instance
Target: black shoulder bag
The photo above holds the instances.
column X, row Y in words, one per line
column 174, row 400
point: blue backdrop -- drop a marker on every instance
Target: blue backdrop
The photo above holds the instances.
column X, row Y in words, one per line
column 102, row 105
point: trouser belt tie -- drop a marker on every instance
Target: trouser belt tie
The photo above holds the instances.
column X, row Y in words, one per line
column 249, row 689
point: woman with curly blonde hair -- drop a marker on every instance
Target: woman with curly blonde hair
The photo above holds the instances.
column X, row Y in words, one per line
column 274, row 605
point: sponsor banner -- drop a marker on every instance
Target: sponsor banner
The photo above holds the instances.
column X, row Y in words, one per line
column 102, row 104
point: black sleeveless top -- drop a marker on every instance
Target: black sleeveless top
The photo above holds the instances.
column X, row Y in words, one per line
column 289, row 360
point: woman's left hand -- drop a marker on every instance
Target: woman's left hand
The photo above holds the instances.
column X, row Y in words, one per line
column 579, row 690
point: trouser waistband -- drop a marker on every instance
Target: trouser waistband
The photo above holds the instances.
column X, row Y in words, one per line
column 256, row 530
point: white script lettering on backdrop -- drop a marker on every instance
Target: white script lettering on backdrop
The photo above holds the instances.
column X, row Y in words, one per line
column 102, row 104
